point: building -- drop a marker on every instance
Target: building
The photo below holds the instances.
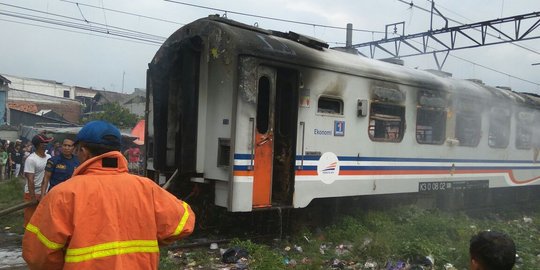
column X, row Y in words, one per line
column 46, row 87
column 51, row 107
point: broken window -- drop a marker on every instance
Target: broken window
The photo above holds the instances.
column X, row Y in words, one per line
column 386, row 122
column 524, row 130
column 430, row 125
column 468, row 128
column 431, row 117
column 263, row 105
column 499, row 128
column 330, row 105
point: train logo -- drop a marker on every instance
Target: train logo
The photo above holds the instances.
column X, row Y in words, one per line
column 328, row 167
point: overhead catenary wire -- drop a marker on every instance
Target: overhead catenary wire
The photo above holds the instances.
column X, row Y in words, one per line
column 82, row 33
column 270, row 18
column 123, row 12
column 82, row 27
column 125, row 32
column 486, row 67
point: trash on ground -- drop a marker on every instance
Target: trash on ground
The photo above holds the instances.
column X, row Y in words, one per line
column 234, row 254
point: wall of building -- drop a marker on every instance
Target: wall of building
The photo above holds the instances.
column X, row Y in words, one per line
column 31, row 102
column 46, row 87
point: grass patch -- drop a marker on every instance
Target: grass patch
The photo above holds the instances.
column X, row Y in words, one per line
column 406, row 234
column 11, row 193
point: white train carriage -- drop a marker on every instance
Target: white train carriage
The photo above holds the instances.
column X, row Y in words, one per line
column 266, row 118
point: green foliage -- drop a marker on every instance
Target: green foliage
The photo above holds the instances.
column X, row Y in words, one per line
column 115, row 114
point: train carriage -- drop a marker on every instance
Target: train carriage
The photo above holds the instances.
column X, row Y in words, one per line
column 265, row 119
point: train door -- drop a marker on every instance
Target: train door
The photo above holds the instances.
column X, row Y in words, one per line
column 264, row 137
column 275, row 137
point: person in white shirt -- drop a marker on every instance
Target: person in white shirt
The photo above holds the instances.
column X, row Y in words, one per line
column 34, row 171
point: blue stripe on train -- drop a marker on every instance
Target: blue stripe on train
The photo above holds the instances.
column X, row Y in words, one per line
column 405, row 168
column 396, row 159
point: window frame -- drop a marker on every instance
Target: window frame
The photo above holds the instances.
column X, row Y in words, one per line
column 469, row 114
column 443, row 125
column 338, row 100
column 525, row 125
column 497, row 115
column 372, row 115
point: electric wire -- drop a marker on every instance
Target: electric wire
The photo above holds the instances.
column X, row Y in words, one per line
column 79, row 32
column 486, row 67
column 123, row 12
column 270, row 18
column 101, row 30
column 82, row 15
column 125, row 31
column 104, row 16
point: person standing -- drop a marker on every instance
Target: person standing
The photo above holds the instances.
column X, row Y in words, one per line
column 4, row 157
column 34, row 171
column 16, row 158
column 104, row 217
column 60, row 168
column 133, row 155
column 492, row 250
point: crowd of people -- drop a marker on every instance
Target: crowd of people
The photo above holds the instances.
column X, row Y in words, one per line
column 12, row 158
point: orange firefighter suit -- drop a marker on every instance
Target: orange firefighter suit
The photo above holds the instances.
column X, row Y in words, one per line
column 104, row 218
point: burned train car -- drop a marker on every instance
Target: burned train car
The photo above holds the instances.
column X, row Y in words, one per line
column 263, row 118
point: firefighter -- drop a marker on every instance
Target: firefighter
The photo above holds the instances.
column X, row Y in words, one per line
column 104, row 217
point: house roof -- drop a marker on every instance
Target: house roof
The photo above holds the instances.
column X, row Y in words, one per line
column 4, row 80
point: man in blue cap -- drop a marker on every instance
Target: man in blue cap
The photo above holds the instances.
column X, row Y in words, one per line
column 104, row 217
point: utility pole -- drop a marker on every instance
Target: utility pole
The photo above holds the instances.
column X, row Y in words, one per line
column 123, row 76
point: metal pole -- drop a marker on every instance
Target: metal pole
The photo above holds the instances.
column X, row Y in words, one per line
column 348, row 42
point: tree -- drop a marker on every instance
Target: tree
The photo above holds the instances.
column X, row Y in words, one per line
column 115, row 114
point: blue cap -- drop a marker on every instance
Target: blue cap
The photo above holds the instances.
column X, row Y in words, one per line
column 99, row 132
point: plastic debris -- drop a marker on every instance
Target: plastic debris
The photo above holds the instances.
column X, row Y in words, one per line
column 399, row 265
column 298, row 248
column 241, row 264
column 287, row 248
column 449, row 266
column 343, row 249
column 323, row 249
column 336, row 264
column 370, row 265
column 214, row 246
column 431, row 259
column 234, row 254
column 527, row 220
column 292, row 263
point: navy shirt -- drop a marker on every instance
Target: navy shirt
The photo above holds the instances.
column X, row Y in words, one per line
column 61, row 169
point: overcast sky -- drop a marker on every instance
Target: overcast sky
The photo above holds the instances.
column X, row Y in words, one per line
column 88, row 59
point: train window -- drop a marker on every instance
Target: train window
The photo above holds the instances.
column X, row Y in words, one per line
column 430, row 125
column 386, row 122
column 224, row 152
column 330, row 105
column 263, row 105
column 468, row 128
column 499, row 128
column 524, row 130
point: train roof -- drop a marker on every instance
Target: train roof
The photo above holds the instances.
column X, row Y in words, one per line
column 234, row 37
